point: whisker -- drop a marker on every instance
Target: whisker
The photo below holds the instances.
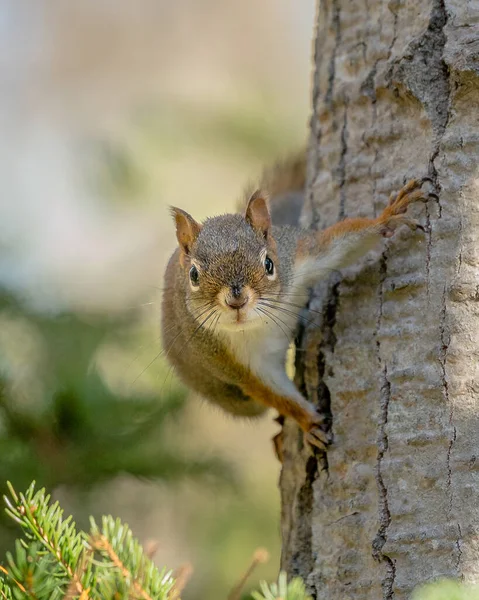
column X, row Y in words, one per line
column 291, row 313
column 286, row 293
column 268, row 314
column 167, row 351
column 138, row 306
column 316, row 312
column 195, row 313
column 188, row 341
column 326, row 270
column 142, row 348
column 212, row 326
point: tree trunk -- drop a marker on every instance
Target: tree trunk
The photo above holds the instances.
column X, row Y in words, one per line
column 394, row 355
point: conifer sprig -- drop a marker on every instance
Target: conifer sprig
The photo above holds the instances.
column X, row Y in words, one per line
column 57, row 537
column 294, row 590
column 53, row 561
column 130, row 566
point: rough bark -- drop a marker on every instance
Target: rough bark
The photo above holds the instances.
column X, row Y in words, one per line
column 394, row 353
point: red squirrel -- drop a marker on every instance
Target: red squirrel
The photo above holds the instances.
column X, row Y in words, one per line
column 233, row 292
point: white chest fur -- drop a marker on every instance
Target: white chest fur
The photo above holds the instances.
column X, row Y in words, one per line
column 261, row 348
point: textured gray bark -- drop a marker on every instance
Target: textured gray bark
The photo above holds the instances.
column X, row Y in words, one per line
column 395, row 356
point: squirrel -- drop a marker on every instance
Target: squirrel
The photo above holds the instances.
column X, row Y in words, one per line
column 236, row 284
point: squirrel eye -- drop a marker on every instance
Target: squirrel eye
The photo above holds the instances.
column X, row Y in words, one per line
column 269, row 265
column 194, row 276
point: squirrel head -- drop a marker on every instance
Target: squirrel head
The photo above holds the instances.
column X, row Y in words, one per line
column 229, row 264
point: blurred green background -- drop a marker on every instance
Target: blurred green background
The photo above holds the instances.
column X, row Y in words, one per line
column 109, row 113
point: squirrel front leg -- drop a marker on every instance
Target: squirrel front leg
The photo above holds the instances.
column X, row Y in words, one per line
column 343, row 243
column 282, row 395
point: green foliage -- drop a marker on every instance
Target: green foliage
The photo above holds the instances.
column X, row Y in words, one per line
column 5, row 590
column 294, row 590
column 52, row 560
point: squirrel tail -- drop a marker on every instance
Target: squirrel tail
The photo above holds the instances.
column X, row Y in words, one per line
column 284, row 181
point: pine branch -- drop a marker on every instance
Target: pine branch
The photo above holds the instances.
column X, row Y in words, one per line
column 46, row 524
column 55, row 562
column 116, row 543
column 294, row 590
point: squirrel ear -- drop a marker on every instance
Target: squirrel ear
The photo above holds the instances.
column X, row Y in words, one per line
column 187, row 229
column 257, row 213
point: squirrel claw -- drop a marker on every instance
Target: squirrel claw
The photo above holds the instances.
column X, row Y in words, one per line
column 419, row 226
column 387, row 230
column 425, row 179
column 318, row 438
column 413, row 224
column 430, row 195
column 394, row 214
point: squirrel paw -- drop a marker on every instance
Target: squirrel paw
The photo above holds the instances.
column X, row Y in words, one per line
column 393, row 215
column 316, row 435
column 318, row 438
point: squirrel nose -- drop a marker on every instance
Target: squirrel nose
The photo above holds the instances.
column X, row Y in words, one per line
column 236, row 299
column 236, row 290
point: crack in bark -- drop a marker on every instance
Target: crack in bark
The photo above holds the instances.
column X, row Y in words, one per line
column 302, row 561
column 424, row 72
column 395, row 28
column 311, row 381
column 438, row 104
column 328, row 343
column 380, row 539
column 449, row 470
column 336, row 23
column 342, row 163
column 444, row 345
column 461, row 240
column 439, row 76
column 428, row 251
column 368, row 87
column 445, row 385
column 459, row 549
column 432, row 172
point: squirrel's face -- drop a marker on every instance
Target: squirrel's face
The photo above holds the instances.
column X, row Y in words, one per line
column 230, row 266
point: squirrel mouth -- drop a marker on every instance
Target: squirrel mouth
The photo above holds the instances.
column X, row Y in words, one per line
column 237, row 304
column 238, row 308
